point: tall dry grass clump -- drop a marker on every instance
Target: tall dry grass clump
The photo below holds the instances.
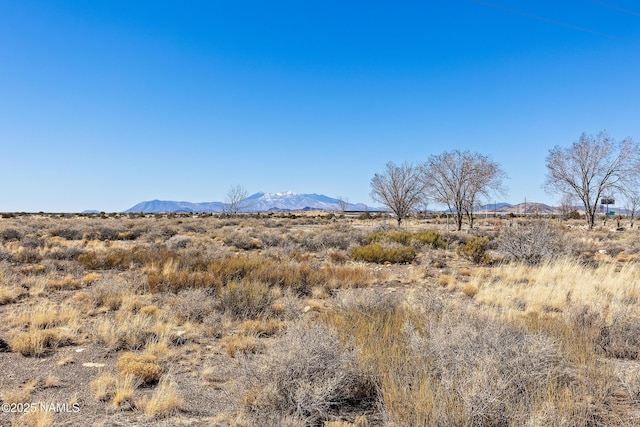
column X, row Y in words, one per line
column 446, row 362
column 165, row 401
column 42, row 328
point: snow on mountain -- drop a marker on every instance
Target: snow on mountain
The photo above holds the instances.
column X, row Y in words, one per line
column 258, row 202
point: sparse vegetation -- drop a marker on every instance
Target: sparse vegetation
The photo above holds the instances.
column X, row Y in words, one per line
column 380, row 254
column 315, row 322
column 475, row 250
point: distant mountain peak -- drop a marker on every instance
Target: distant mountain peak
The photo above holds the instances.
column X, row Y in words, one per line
column 257, row 202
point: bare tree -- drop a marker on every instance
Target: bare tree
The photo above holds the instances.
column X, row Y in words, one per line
column 632, row 205
column 343, row 203
column 567, row 205
column 458, row 179
column 400, row 188
column 236, row 200
column 592, row 167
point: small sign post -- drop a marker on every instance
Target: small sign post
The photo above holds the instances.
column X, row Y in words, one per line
column 607, row 201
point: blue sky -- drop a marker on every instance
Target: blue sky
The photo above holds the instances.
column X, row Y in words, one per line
column 104, row 104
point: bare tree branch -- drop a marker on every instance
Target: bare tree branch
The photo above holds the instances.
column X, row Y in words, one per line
column 400, row 188
column 236, row 200
column 632, row 205
column 591, row 168
column 343, row 203
column 459, row 179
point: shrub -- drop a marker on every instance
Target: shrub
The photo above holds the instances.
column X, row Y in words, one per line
column 36, row 342
column 530, row 244
column 178, row 242
column 621, row 339
column 401, row 237
column 432, row 238
column 422, row 238
column 193, row 305
column 132, row 333
column 10, row 234
column 475, row 250
column 103, row 387
column 306, row 373
column 337, row 257
column 245, row 345
column 68, row 233
column 377, row 253
column 142, row 366
column 63, row 253
column 245, row 299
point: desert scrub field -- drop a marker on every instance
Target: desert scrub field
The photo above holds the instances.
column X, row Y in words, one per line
column 317, row 320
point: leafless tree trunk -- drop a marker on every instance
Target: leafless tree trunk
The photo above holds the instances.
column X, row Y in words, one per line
column 632, row 204
column 400, row 188
column 567, row 205
column 343, row 203
column 591, row 168
column 236, row 200
column 458, row 179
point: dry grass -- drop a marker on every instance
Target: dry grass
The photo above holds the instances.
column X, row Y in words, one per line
column 35, row 419
column 261, row 328
column 244, row 345
column 446, row 280
column 103, row 387
column 554, row 286
column 44, row 327
column 165, row 401
column 22, row 395
column 125, row 388
column 65, row 283
column 45, row 316
column 142, row 366
column 9, row 294
column 175, row 274
column 470, row 290
column 131, row 332
column 441, row 342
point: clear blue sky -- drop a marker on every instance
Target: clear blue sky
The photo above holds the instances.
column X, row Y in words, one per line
column 104, row 104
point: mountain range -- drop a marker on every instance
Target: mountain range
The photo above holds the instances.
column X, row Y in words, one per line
column 289, row 202
column 258, row 202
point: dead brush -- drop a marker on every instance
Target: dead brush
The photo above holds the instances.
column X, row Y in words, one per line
column 471, row 368
column 305, row 373
column 125, row 389
column 67, row 282
column 142, row 366
column 192, row 305
column 261, row 328
column 245, row 299
column 245, row 345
